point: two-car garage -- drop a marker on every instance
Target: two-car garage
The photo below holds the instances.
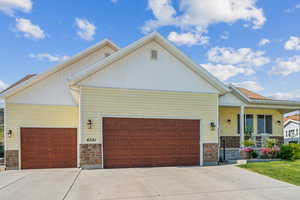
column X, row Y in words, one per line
column 127, row 142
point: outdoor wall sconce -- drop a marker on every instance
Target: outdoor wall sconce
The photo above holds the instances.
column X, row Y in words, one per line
column 278, row 122
column 212, row 126
column 90, row 124
column 9, row 133
column 228, row 121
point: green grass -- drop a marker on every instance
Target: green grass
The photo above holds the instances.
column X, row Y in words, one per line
column 288, row 171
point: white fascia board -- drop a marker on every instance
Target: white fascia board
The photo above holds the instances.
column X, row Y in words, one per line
column 59, row 67
column 78, row 77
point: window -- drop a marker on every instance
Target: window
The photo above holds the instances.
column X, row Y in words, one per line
column 153, row 54
column 248, row 123
column 264, row 124
column 106, row 54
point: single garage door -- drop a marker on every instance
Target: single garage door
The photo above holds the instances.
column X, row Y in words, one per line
column 131, row 142
column 48, row 148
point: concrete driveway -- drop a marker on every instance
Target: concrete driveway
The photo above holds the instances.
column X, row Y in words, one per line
column 169, row 183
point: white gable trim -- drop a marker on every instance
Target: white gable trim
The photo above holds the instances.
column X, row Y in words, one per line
column 291, row 121
column 59, row 67
column 200, row 71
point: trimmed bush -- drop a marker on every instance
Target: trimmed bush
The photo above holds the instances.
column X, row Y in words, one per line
column 254, row 154
column 1, row 151
column 290, row 151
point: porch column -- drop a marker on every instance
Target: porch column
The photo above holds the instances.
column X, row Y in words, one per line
column 242, row 129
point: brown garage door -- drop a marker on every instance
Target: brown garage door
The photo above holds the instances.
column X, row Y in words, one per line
column 130, row 142
column 48, row 148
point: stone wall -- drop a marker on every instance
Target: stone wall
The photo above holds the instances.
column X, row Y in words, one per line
column 90, row 156
column 12, row 159
column 210, row 153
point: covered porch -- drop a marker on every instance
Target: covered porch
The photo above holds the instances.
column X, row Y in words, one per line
column 245, row 115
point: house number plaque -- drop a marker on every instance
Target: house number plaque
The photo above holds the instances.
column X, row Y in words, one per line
column 91, row 139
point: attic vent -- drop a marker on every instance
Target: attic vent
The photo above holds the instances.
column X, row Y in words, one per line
column 153, row 55
column 106, row 54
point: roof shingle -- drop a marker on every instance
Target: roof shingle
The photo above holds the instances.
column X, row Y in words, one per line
column 252, row 95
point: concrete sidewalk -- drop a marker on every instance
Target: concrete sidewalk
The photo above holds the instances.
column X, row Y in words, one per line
column 176, row 183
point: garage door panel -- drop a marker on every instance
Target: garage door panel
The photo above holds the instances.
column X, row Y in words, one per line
column 48, row 148
column 130, row 142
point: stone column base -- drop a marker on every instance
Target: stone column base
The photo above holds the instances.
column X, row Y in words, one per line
column 90, row 156
column 12, row 159
column 210, row 153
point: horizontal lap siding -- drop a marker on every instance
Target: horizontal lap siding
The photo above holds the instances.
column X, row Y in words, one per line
column 98, row 102
column 230, row 129
column 24, row 115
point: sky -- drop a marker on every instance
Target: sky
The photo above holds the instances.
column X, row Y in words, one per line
column 250, row 43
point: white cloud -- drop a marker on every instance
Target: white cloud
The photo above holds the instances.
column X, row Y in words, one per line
column 292, row 44
column 114, row 1
column 244, row 57
column 86, row 30
column 49, row 57
column 188, row 38
column 195, row 15
column 9, row 6
column 225, row 72
column 263, row 42
column 225, row 35
column 293, row 95
column 3, row 85
column 28, row 29
column 286, row 66
column 249, row 85
column 298, row 5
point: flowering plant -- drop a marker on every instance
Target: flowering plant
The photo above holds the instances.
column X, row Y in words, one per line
column 270, row 152
column 248, row 149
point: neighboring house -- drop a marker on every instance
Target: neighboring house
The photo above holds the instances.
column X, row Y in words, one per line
column 147, row 104
column 292, row 129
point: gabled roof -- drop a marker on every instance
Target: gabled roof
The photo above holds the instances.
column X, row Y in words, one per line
column 200, row 71
column 25, row 78
column 292, row 117
column 291, row 121
column 34, row 79
column 254, row 98
column 252, row 95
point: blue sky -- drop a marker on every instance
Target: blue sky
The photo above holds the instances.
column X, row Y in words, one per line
column 254, row 44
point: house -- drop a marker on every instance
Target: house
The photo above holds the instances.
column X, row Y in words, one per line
column 147, row 104
column 292, row 129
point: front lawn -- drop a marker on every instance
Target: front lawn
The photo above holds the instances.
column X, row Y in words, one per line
column 288, row 171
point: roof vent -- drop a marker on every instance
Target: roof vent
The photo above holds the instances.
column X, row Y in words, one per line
column 154, row 54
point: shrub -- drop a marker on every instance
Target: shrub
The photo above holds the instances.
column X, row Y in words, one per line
column 290, row 152
column 254, row 154
column 248, row 143
column 270, row 152
column 270, row 143
column 1, row 151
column 248, row 150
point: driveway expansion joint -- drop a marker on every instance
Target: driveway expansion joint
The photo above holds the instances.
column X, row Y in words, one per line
column 5, row 186
column 75, row 179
